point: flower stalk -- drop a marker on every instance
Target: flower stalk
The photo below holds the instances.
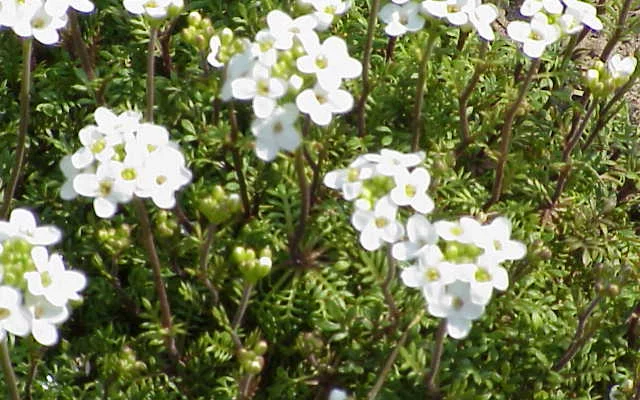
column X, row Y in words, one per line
column 305, row 197
column 80, row 46
column 151, row 61
column 436, row 357
column 7, row 369
column 423, row 72
column 25, row 94
column 366, row 61
column 237, row 161
column 463, row 100
column 506, row 134
column 165, row 309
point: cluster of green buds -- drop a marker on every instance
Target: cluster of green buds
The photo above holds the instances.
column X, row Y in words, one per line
column 219, row 206
column 15, row 260
column 199, row 32
column 603, row 78
column 115, row 240
column 252, row 267
column 223, row 46
column 606, row 287
column 252, row 361
column 165, row 223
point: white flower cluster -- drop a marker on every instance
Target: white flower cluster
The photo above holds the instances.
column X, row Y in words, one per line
column 550, row 19
column 155, row 9
column 39, row 18
column 604, row 79
column 122, row 157
column 456, row 264
column 35, row 287
column 402, row 16
column 284, row 71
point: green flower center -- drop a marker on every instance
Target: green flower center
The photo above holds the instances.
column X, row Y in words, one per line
column 278, row 127
column 330, row 10
column 431, row 274
column 322, row 62
column 262, row 87
column 98, row 146
column 381, row 222
column 482, row 275
column 410, row 190
column 105, row 187
column 128, row 174
column 161, row 179
column 353, row 174
column 46, row 279
column 457, row 303
column 4, row 313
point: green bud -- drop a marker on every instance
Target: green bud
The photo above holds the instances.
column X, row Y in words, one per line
column 613, row 290
column 245, row 355
column 226, row 37
column 238, row 255
column 194, row 18
column 261, row 348
column 255, row 366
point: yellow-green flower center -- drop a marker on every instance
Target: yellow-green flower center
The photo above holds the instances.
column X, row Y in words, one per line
column 457, row 303
column 482, row 275
column 46, row 279
column 431, row 274
column 4, row 313
column 128, row 174
column 410, row 190
column 381, row 222
column 98, row 146
column 322, row 62
column 161, row 179
column 105, row 187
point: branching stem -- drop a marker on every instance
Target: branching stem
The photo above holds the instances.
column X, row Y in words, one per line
column 237, row 161
column 463, row 100
column 579, row 338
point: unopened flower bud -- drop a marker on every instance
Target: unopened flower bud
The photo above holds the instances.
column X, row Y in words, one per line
column 261, row 347
column 194, row 18
column 613, row 290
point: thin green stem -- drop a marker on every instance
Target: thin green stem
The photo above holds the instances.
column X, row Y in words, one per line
column 21, row 148
column 423, row 72
column 373, row 393
column 386, row 290
column 7, row 368
column 165, row 309
column 366, row 60
column 151, row 67
column 436, row 357
column 506, row 133
column 204, row 261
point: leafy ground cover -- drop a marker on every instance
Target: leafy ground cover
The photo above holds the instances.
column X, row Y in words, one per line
column 264, row 284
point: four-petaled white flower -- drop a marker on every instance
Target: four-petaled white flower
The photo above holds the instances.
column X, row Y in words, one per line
column 401, row 19
column 330, row 62
column 531, row 7
column 454, row 303
column 12, row 317
column 422, row 237
column 378, row 226
column 535, row 35
column 262, row 88
column 22, row 224
column 411, row 189
column 321, row 104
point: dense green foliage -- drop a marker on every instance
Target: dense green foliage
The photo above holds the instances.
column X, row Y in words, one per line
column 325, row 320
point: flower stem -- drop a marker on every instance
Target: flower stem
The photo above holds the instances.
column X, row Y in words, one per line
column 420, row 86
column 165, row 309
column 617, row 33
column 436, row 357
column 204, row 260
column 7, row 368
column 579, row 338
column 25, row 93
column 373, row 393
column 305, row 206
column 388, row 297
column 366, row 60
column 80, row 46
column 463, row 100
column 237, row 161
column 151, row 67
column 505, row 134
column 242, row 307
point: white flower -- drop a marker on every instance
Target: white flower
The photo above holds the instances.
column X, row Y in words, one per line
column 349, row 180
column 22, row 224
column 156, row 9
column 454, row 303
column 481, row 18
column 620, row 68
column 337, row 394
column 483, row 276
column 401, row 19
column 44, row 317
column 430, row 274
column 531, row 7
column 262, row 88
column 238, row 66
column 535, row 36
column 330, row 62
column 411, row 189
column 51, row 280
column 391, row 162
column 495, row 240
column 214, row 49
column 465, row 230
column 285, row 29
column 584, row 13
column 12, row 317
column 326, row 10
column 33, row 20
column 455, row 11
column 98, row 145
column 264, row 48
column 378, row 226
column 422, row 237
column 321, row 104
column 58, row 8
column 8, row 12
column 69, row 171
column 276, row 132
column 105, row 186
column 163, row 174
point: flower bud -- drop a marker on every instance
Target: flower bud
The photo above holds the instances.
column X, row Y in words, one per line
column 261, row 348
column 613, row 290
column 194, row 18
